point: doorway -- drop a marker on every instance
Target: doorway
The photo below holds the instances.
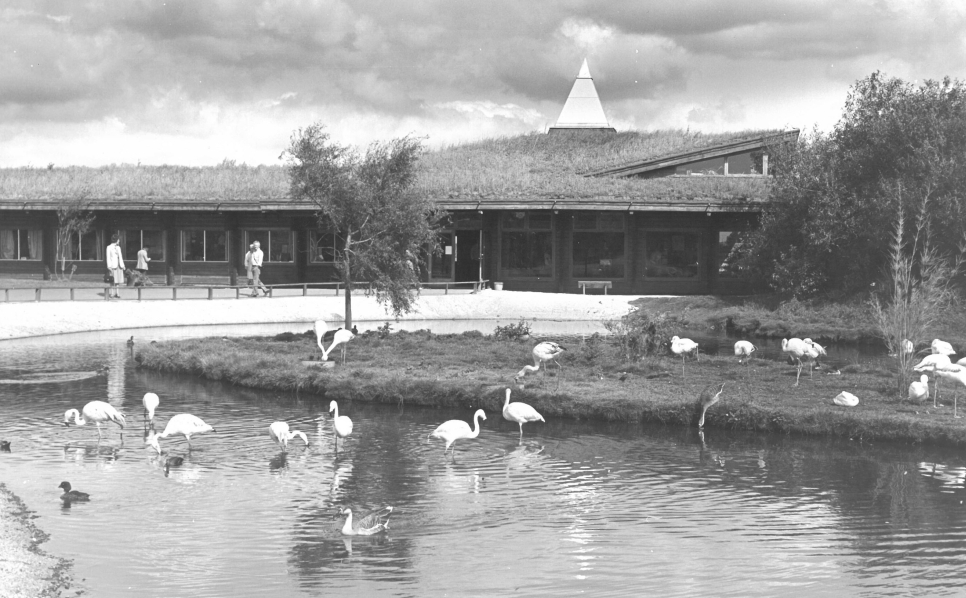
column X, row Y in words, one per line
column 467, row 255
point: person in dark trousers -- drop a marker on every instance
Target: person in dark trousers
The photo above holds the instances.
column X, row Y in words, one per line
column 257, row 257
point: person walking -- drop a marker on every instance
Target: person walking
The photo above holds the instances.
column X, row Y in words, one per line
column 143, row 260
column 115, row 263
column 257, row 257
column 248, row 264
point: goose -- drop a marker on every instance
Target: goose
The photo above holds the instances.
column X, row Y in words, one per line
column 280, row 433
column 542, row 353
column 150, row 402
column 939, row 347
column 520, row 413
column 367, row 525
column 96, row 411
column 956, row 373
column 919, row 389
column 684, row 347
column 743, row 350
column 796, row 349
column 184, row 424
column 456, row 429
column 709, row 396
column 72, row 495
column 929, row 363
column 341, row 337
column 341, row 423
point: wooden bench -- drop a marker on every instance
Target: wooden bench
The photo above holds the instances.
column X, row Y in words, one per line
column 595, row 284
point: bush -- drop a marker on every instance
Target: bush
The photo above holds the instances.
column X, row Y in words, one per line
column 639, row 334
column 512, row 332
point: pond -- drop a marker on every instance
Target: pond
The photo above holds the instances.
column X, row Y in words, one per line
column 576, row 507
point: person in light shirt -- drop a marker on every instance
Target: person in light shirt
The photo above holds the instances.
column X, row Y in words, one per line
column 115, row 263
column 257, row 257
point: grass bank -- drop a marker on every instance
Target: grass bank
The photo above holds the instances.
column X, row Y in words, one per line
column 471, row 370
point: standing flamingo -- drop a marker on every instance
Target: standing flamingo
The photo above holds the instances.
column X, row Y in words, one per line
column 150, row 402
column 956, row 373
column 520, row 413
column 183, row 424
column 280, row 433
column 341, row 337
column 796, row 349
column 456, row 429
column 709, row 396
column 96, row 411
column 543, row 353
column 743, row 351
column 919, row 389
column 341, row 423
column 929, row 363
column 684, row 347
column 370, row 523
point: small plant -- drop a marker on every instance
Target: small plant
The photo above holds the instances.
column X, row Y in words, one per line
column 512, row 332
column 639, row 334
column 384, row 331
column 591, row 349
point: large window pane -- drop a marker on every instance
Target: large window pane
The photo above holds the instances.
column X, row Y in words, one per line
column 90, row 246
column 193, row 246
column 280, row 245
column 598, row 255
column 527, row 254
column 729, row 250
column 585, row 221
column 671, row 255
column 154, row 241
column 539, row 220
column 323, row 247
column 216, row 246
column 514, row 220
column 8, row 244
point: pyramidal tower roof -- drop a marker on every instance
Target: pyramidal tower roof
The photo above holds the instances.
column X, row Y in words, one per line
column 582, row 110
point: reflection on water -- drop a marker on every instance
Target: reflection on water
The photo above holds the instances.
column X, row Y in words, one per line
column 575, row 507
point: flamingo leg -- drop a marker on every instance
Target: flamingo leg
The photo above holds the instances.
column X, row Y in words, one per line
column 955, row 396
column 799, row 373
column 521, row 430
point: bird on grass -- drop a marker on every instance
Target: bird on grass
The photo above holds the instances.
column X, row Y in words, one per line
column 520, row 413
column 96, row 411
column 954, row 373
column 846, row 399
column 150, row 402
column 684, row 347
column 743, row 351
column 813, row 352
column 5, row 446
column 130, row 342
column 320, row 328
column 906, row 347
column 341, row 423
column 183, row 424
column 797, row 350
column 341, row 337
column 939, row 347
column 709, row 396
column 72, row 495
column 280, row 433
column 930, row 363
column 543, row 353
column 367, row 525
column 919, row 389
column 457, row 429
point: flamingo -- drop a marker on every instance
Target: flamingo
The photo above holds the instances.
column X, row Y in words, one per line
column 520, row 413
column 709, row 396
column 919, row 389
column 961, row 361
column 956, row 373
column 929, row 363
column 846, row 399
column 341, row 337
column 72, row 495
column 370, row 523
column 743, row 350
column 96, row 411
column 341, row 423
column 796, row 348
column 320, row 328
column 542, row 353
column 150, row 402
column 941, row 347
column 906, row 347
column 184, row 424
column 683, row 347
column 812, row 352
column 280, row 434
column 456, row 429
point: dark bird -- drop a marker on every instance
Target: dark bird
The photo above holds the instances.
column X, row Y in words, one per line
column 72, row 495
column 172, row 461
column 5, row 446
column 622, row 377
column 709, row 396
column 130, row 342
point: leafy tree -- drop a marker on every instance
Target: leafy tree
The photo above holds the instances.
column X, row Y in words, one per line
column 824, row 230
column 382, row 224
column 73, row 218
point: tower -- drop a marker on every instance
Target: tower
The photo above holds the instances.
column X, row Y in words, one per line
column 582, row 111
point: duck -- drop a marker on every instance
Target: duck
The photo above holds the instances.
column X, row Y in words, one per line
column 130, row 342
column 367, row 525
column 184, row 424
column 5, row 446
column 96, row 411
column 72, row 495
column 520, row 413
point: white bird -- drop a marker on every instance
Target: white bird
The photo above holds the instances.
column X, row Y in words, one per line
column 846, row 399
column 797, row 349
column 683, row 347
column 956, row 373
column 709, row 396
column 456, row 429
column 320, row 328
column 520, row 413
column 370, row 523
column 280, row 433
column 341, row 423
column 543, row 353
column 341, row 337
column 929, row 363
column 812, row 352
column 96, row 411
column 743, row 350
column 919, row 389
column 941, row 347
column 184, row 424
column 906, row 347
column 961, row 361
column 150, row 402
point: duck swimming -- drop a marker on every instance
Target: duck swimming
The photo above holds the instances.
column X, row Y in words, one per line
column 72, row 495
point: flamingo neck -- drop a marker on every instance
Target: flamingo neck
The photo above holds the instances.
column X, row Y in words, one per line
column 78, row 420
column 476, row 424
column 347, row 528
column 334, row 410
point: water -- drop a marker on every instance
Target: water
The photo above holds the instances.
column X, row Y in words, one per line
column 577, row 507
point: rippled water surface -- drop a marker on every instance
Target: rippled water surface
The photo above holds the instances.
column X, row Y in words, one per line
column 577, row 507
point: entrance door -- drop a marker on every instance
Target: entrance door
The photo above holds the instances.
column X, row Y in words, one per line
column 441, row 266
column 467, row 250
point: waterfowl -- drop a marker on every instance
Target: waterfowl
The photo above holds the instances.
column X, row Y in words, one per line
column 280, row 433
column 743, row 351
column 341, row 423
column 96, row 411
column 367, row 525
column 939, row 347
column 341, row 337
column 520, row 413
column 956, row 373
column 5, row 446
column 708, row 397
column 684, row 347
column 456, row 429
column 150, row 402
column 796, row 349
column 930, row 363
column 846, row 399
column 919, row 389
column 544, row 352
column 130, row 342
column 183, row 424
column 72, row 495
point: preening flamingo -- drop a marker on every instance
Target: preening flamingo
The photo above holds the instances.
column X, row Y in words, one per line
column 743, row 351
column 320, row 328
column 941, row 347
column 929, row 363
column 543, row 353
column 456, row 429
column 919, row 389
column 709, row 396
column 956, row 373
column 341, row 337
column 370, row 523
column 341, row 423
column 280, row 433
column 96, row 411
column 520, row 413
column 150, row 402
column 72, row 495
column 797, row 349
column 183, row 424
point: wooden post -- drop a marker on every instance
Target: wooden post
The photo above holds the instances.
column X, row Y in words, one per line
column 107, row 293
column 6, row 295
column 237, row 292
column 446, row 292
column 211, row 293
column 337, row 285
column 764, row 164
column 305, row 290
column 174, row 293
column 139, row 293
column 38, row 294
column 726, row 165
column 72, row 293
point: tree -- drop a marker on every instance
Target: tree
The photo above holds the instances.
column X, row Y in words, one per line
column 73, row 218
column 382, row 225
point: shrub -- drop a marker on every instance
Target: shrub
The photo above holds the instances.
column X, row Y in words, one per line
column 512, row 332
column 639, row 334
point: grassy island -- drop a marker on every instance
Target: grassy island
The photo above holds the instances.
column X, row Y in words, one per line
column 472, row 370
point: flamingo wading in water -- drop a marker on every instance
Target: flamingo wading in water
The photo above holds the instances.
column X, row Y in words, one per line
column 280, row 433
column 341, row 423
column 370, row 523
column 183, row 424
column 457, row 429
column 96, row 411
column 150, row 402
column 520, row 413
column 543, row 353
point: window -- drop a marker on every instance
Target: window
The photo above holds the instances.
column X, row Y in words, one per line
column 87, row 247
column 671, row 254
column 21, row 244
column 277, row 243
column 441, row 264
column 598, row 249
column 527, row 244
column 729, row 252
column 322, row 246
column 204, row 246
column 133, row 240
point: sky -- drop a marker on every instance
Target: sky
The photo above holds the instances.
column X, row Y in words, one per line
column 196, row 82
